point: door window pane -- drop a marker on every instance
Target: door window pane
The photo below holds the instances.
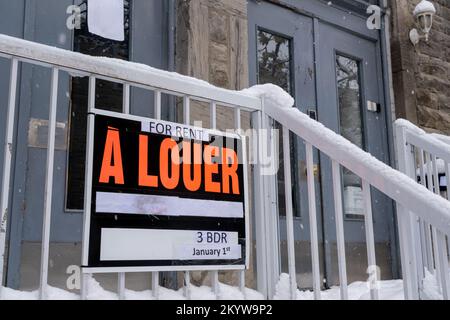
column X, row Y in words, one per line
column 274, row 60
column 275, row 66
column 351, row 128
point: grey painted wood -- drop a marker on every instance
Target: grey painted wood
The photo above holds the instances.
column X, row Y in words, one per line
column 44, row 21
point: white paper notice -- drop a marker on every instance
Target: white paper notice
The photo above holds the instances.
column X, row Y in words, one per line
column 105, row 18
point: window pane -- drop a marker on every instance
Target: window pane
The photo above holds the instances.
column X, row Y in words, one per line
column 274, row 60
column 108, row 96
column 351, row 128
column 274, row 66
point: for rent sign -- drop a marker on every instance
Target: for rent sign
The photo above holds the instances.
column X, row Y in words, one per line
column 165, row 195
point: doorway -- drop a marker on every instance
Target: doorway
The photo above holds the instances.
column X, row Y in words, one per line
column 328, row 60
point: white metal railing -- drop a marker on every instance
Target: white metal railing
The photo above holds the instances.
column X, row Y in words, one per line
column 425, row 158
column 130, row 75
column 412, row 199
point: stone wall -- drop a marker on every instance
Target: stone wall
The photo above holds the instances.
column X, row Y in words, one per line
column 421, row 74
column 212, row 45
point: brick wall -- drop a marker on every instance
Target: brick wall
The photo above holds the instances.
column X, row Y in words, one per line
column 422, row 74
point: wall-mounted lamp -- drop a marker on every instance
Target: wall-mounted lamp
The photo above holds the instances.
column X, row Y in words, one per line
column 423, row 14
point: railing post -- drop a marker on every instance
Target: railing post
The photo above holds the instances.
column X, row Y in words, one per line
column 271, row 204
column 313, row 221
column 8, row 150
column 48, row 192
column 259, row 205
column 289, row 213
column 370, row 239
column 88, row 185
column 339, row 220
column 406, row 241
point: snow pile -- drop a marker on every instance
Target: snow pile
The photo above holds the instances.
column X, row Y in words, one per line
column 388, row 290
column 408, row 125
column 96, row 292
column 271, row 93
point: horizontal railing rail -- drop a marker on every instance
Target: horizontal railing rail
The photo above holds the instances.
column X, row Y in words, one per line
column 116, row 70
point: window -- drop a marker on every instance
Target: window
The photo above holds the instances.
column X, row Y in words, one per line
column 275, row 66
column 108, row 96
column 352, row 128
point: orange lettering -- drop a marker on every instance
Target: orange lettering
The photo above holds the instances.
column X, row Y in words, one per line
column 192, row 183
column 169, row 182
column 144, row 178
column 112, row 149
column 229, row 170
column 211, row 168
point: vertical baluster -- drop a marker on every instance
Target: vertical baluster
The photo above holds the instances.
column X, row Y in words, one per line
column 214, row 273
column 155, row 284
column 157, row 112
column 187, row 285
column 339, row 218
column 370, row 237
column 242, row 282
column 421, row 221
column 48, row 192
column 125, row 110
column 443, row 263
column 187, row 120
column 121, row 285
column 215, row 282
column 157, row 104
column 313, row 221
column 430, row 263
column 8, row 150
column 447, row 177
column 237, row 126
column 213, row 115
column 187, row 110
column 126, row 99
column 289, row 213
column 433, row 228
column 237, row 119
column 88, row 185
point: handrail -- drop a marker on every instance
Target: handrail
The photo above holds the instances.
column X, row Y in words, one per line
column 123, row 71
column 391, row 182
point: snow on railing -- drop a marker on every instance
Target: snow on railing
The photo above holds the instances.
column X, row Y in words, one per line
column 425, row 158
